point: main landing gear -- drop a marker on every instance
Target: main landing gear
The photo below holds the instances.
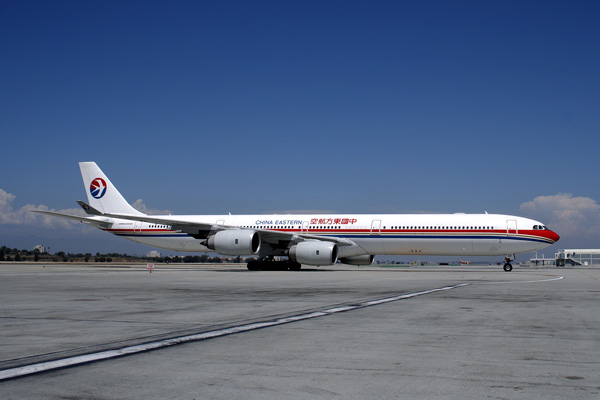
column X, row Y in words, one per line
column 507, row 264
column 269, row 264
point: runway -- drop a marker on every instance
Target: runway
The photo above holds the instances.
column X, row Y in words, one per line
column 444, row 332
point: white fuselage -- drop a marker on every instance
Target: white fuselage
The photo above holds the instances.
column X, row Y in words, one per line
column 381, row 234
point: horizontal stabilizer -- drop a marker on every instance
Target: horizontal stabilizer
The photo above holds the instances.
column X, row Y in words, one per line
column 94, row 221
column 88, row 209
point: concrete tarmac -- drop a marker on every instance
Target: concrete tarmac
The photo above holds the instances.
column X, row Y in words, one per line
column 489, row 334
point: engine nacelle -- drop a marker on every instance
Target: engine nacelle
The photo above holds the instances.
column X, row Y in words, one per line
column 366, row 259
column 314, row 252
column 235, row 242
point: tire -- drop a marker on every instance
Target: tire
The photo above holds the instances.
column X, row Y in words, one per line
column 294, row 266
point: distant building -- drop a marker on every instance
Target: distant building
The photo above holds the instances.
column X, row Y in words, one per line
column 578, row 257
column 40, row 248
column 153, row 254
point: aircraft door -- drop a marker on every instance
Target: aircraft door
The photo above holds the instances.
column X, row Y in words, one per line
column 376, row 227
column 304, row 226
column 137, row 226
column 511, row 227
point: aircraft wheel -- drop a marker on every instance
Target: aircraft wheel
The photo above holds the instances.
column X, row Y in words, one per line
column 273, row 266
column 294, row 266
column 253, row 265
column 508, row 267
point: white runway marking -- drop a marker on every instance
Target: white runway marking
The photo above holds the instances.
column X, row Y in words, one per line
column 104, row 355
column 556, row 278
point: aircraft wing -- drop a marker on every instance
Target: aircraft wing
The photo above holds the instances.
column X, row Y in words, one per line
column 194, row 228
column 176, row 224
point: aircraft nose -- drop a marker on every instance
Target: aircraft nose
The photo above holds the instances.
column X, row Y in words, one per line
column 554, row 236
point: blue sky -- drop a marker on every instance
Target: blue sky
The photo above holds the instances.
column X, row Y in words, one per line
column 270, row 106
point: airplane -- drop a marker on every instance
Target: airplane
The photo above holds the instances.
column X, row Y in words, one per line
column 314, row 240
column 464, row 262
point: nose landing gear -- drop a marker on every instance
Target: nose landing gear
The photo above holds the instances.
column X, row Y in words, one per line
column 507, row 265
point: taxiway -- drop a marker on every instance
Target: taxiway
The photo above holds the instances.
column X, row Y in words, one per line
column 426, row 332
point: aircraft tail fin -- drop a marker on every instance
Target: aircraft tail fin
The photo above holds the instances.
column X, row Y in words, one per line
column 101, row 193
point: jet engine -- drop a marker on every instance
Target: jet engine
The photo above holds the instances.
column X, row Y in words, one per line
column 235, row 242
column 315, row 252
column 358, row 260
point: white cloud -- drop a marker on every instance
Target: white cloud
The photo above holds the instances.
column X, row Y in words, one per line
column 140, row 206
column 6, row 212
column 22, row 216
column 568, row 215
